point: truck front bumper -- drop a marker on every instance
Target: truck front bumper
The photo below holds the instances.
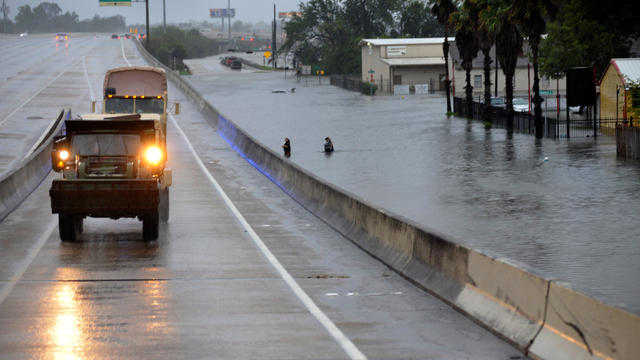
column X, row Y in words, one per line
column 104, row 197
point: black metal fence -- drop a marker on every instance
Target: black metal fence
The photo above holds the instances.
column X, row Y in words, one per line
column 523, row 122
column 349, row 82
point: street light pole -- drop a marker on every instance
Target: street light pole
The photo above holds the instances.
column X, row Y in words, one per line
column 148, row 35
column 229, row 20
column 164, row 16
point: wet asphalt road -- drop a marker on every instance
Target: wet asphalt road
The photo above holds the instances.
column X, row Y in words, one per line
column 204, row 289
column 573, row 217
column 40, row 77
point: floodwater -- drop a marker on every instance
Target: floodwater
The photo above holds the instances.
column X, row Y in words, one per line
column 568, row 209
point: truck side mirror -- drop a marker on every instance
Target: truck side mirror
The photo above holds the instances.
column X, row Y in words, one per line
column 93, row 106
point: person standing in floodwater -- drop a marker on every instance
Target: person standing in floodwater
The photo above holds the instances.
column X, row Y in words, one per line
column 328, row 145
column 287, row 147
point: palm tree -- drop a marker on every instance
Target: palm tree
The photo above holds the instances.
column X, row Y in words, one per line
column 442, row 9
column 486, row 34
column 530, row 16
column 508, row 48
column 467, row 44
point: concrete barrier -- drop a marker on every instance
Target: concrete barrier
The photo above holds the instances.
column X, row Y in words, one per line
column 18, row 184
column 580, row 327
column 525, row 308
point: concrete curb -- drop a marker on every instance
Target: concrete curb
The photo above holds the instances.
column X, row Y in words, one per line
column 21, row 182
column 541, row 317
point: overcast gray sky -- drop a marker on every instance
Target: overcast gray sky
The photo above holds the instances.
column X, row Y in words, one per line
column 177, row 10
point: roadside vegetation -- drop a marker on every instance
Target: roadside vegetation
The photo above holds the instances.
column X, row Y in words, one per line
column 176, row 45
column 48, row 17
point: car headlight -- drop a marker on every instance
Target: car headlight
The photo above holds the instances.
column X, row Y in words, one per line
column 153, row 155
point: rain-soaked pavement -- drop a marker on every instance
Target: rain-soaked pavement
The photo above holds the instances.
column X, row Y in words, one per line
column 204, row 289
column 569, row 209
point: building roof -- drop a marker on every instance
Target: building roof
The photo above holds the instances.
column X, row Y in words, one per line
column 416, row 41
column 432, row 60
column 629, row 68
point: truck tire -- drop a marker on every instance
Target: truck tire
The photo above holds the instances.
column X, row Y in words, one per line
column 150, row 226
column 163, row 206
column 78, row 224
column 67, row 228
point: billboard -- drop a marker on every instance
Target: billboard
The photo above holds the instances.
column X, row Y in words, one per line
column 289, row 14
column 115, row 2
column 222, row 13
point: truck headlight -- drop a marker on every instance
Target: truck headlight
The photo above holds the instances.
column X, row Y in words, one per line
column 153, row 155
column 63, row 154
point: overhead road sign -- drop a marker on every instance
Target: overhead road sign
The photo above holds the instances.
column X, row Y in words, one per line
column 115, row 2
column 222, row 13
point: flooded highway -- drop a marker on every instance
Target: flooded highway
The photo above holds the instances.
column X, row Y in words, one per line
column 210, row 287
column 567, row 209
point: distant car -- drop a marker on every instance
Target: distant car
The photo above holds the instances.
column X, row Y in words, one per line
column 24, row 34
column 498, row 102
column 62, row 37
column 115, row 36
column 520, row 105
column 229, row 60
column 128, row 36
column 577, row 109
column 249, row 51
column 142, row 36
column 236, row 64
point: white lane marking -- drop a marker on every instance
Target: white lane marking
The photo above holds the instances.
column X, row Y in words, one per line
column 86, row 76
column 352, row 351
column 33, row 252
column 31, row 98
column 123, row 55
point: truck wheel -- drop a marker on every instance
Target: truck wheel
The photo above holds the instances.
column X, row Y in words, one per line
column 150, row 226
column 163, row 207
column 66, row 227
column 78, row 224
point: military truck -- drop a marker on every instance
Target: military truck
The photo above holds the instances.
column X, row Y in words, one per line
column 113, row 162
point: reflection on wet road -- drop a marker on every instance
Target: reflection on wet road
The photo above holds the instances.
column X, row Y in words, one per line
column 573, row 217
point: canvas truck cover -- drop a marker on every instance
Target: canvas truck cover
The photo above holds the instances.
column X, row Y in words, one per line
column 136, row 80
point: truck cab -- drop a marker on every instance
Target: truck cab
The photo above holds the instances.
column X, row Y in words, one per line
column 113, row 162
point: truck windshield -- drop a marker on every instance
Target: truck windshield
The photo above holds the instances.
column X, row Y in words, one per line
column 118, row 105
column 105, row 144
column 155, row 106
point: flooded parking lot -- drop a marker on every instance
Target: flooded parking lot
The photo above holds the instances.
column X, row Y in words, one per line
column 569, row 209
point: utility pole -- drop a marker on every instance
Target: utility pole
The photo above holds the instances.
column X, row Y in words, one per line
column 164, row 16
column 273, row 39
column 5, row 13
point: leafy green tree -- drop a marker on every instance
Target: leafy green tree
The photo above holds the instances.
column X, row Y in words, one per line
column 416, row 21
column 588, row 33
column 370, row 18
column 442, row 9
column 24, row 18
column 531, row 17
